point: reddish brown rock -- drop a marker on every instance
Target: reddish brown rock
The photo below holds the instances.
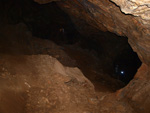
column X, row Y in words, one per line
column 136, row 93
column 41, row 84
column 129, row 18
column 105, row 15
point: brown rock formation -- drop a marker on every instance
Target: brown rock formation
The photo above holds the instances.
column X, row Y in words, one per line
column 41, row 84
column 130, row 19
column 66, row 90
column 105, row 15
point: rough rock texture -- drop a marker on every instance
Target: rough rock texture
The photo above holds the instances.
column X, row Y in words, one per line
column 105, row 15
column 136, row 93
column 131, row 21
column 139, row 8
column 100, row 14
column 41, row 84
column 17, row 39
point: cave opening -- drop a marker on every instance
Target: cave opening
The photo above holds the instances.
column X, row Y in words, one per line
column 105, row 58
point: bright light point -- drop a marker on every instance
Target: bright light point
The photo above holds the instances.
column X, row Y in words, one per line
column 122, row 72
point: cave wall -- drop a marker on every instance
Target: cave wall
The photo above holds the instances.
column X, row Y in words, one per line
column 125, row 18
column 107, row 16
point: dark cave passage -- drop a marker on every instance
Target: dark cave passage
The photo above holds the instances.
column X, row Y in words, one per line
column 126, row 65
column 103, row 57
column 29, row 31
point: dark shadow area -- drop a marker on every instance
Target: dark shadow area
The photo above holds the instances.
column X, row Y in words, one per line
column 126, row 65
column 103, row 57
column 32, row 81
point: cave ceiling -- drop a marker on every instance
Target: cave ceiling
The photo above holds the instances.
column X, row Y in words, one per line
column 123, row 17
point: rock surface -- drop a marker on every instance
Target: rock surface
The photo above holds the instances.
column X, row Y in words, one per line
column 105, row 15
column 138, row 8
column 130, row 19
column 22, row 77
column 18, row 40
column 137, row 91
column 26, row 72
column 41, row 84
